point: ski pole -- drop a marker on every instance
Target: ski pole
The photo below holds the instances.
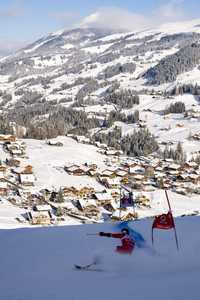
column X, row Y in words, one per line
column 92, row 234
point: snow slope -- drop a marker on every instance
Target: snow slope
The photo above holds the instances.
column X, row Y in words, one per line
column 48, row 163
column 38, row 264
column 64, row 56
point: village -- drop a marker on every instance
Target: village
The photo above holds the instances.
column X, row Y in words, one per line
column 117, row 178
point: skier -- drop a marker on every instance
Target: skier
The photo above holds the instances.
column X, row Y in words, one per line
column 126, row 247
column 128, row 243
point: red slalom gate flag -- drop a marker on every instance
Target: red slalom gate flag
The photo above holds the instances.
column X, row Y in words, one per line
column 164, row 221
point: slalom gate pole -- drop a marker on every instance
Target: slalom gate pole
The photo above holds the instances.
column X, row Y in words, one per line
column 120, row 209
column 170, row 210
column 152, row 239
column 176, row 238
column 168, row 201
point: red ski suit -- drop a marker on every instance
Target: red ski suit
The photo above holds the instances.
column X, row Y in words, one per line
column 128, row 243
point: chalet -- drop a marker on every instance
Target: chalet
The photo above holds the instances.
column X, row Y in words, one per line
column 114, row 152
column 169, row 160
column 13, row 162
column 196, row 137
column 92, row 173
column 26, row 179
column 124, row 215
column 89, row 208
column 180, row 190
column 125, row 180
column 108, row 173
column 142, row 200
column 87, row 204
column 7, row 138
column 17, row 152
column 138, row 177
column 17, row 148
column 111, row 183
column 3, row 188
column 173, row 172
column 155, row 163
column 27, row 170
column 130, row 163
column 91, row 166
column 76, row 170
column 2, row 171
column 173, row 167
column 44, row 207
column 39, row 217
column 103, row 198
column 115, row 194
column 158, row 174
column 136, row 170
column 182, row 177
column 85, row 192
column 72, row 192
column 192, row 114
column 194, row 178
column 121, row 173
column 190, row 166
column 158, row 169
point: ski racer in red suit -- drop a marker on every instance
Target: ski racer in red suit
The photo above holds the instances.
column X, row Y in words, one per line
column 128, row 243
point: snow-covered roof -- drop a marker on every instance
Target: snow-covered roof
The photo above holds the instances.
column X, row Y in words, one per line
column 86, row 203
column 39, row 213
column 3, row 185
column 27, row 177
column 45, row 207
column 113, row 181
column 103, row 196
column 121, row 173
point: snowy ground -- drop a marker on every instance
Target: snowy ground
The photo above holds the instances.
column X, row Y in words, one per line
column 38, row 264
column 8, row 215
column 49, row 161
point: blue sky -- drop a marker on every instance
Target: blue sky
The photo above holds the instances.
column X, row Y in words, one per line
column 26, row 20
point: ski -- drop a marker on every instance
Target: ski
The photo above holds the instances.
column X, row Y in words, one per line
column 88, row 268
column 83, row 267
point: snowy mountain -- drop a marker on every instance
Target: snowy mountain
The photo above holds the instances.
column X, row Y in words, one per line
column 53, row 64
column 86, row 69
column 39, row 263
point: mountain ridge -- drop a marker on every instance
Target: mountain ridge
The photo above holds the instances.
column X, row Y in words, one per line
column 81, row 68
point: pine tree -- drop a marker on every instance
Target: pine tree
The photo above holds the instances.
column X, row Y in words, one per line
column 59, row 211
column 60, row 198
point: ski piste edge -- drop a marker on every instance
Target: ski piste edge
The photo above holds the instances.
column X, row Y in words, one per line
column 87, row 268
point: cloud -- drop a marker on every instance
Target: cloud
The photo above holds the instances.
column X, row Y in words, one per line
column 120, row 19
column 115, row 18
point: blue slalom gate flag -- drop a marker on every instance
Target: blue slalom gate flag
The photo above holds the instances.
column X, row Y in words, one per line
column 127, row 200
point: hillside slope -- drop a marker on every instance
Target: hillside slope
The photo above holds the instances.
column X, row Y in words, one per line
column 67, row 65
column 38, row 264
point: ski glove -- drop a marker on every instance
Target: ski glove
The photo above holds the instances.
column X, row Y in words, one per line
column 105, row 234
